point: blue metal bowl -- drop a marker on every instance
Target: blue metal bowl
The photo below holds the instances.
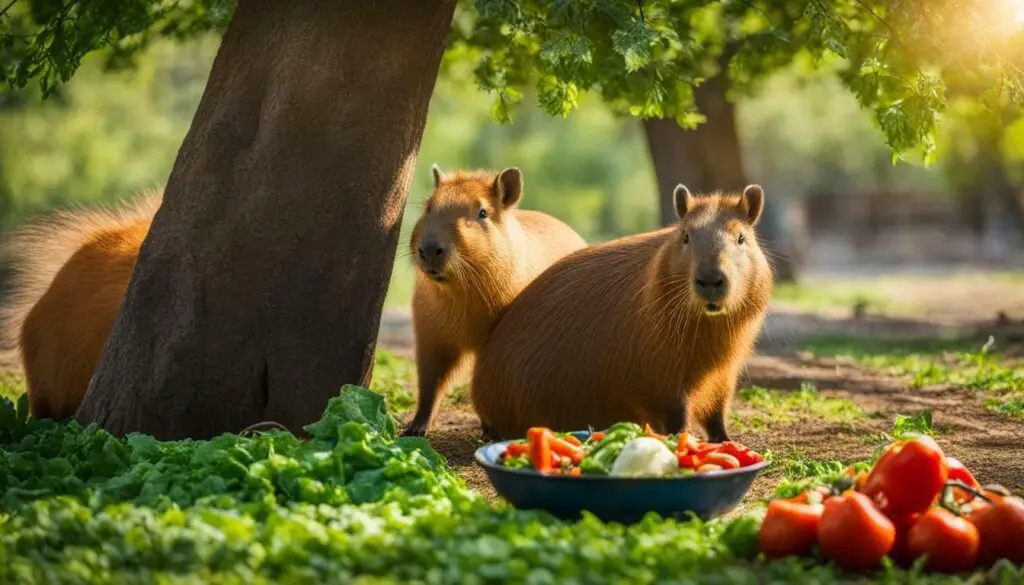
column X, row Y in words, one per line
column 617, row 499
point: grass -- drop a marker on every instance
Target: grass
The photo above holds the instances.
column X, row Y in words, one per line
column 929, row 363
column 822, row 296
column 12, row 385
column 1011, row 405
column 771, row 407
column 938, row 362
column 393, row 376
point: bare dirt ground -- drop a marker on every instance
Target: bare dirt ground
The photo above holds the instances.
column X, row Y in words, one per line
column 991, row 445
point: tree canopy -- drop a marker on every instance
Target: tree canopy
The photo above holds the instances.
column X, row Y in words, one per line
column 901, row 58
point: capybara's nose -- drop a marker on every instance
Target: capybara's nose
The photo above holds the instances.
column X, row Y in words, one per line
column 432, row 254
column 710, row 284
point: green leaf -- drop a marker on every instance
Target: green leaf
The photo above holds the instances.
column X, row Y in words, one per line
column 920, row 424
column 354, row 404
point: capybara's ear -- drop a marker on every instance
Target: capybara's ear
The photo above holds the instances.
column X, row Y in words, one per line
column 682, row 199
column 752, row 203
column 438, row 175
column 508, row 187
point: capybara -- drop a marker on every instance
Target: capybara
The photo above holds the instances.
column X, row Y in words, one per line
column 474, row 251
column 652, row 328
column 70, row 272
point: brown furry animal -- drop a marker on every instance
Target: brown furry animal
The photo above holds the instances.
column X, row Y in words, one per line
column 70, row 275
column 474, row 251
column 650, row 328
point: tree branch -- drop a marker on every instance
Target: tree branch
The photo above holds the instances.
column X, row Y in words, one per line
column 8, row 7
column 892, row 33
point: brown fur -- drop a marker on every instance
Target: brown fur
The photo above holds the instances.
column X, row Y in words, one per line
column 70, row 274
column 490, row 262
column 616, row 332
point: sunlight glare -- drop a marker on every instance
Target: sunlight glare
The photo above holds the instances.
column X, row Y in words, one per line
column 1018, row 13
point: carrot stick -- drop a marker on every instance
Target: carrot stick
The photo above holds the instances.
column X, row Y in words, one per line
column 539, row 441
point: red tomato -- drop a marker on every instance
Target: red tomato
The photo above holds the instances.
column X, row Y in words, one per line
column 1000, row 530
column 958, row 472
column 853, row 533
column 908, row 478
column 723, row 460
column 516, row 449
column 900, row 554
column 950, row 541
column 690, row 461
column 744, row 455
column 789, row 528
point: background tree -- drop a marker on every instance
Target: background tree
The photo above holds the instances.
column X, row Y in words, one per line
column 294, row 174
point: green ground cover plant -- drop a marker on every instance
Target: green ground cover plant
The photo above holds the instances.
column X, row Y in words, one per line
column 351, row 503
column 938, row 362
column 770, row 407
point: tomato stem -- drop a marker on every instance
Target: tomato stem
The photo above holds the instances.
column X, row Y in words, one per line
column 956, row 483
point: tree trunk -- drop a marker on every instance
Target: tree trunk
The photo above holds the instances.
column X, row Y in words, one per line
column 259, row 289
column 710, row 158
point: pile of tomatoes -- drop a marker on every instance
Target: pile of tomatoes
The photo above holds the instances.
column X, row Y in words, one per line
column 913, row 503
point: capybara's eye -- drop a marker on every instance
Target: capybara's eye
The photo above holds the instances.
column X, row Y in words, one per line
column 740, row 240
column 686, row 238
column 482, row 214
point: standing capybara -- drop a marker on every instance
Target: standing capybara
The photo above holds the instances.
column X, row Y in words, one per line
column 474, row 251
column 70, row 273
column 651, row 328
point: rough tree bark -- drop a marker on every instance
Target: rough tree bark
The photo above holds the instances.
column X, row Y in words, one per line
column 710, row 158
column 259, row 289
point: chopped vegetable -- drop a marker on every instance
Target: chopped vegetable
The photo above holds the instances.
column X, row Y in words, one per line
column 625, row 449
column 645, row 456
column 540, row 449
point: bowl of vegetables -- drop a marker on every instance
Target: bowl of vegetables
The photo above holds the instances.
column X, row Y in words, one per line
column 620, row 474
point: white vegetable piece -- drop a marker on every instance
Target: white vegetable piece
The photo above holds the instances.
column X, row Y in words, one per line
column 645, row 456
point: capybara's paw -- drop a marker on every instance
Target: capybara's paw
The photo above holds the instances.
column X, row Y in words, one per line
column 415, row 429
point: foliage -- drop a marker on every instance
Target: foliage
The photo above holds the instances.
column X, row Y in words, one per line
column 920, row 424
column 934, row 363
column 48, row 39
column 392, row 377
column 642, row 57
column 778, row 406
column 105, row 137
column 352, row 455
column 352, row 504
column 1011, row 404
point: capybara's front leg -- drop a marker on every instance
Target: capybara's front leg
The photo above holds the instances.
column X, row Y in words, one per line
column 716, row 401
column 435, row 368
column 675, row 418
